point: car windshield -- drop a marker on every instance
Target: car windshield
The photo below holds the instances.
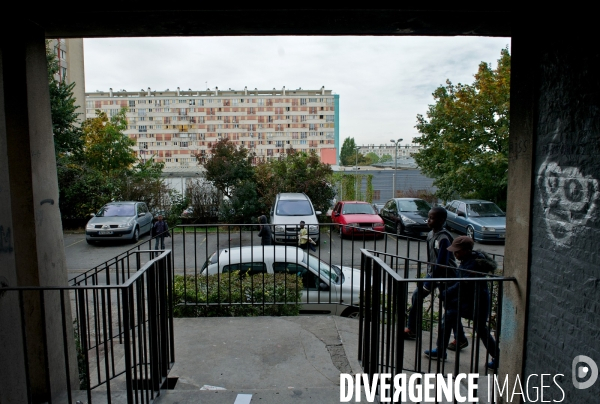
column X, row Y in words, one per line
column 484, row 209
column 417, row 205
column 116, row 210
column 357, row 208
column 322, row 268
column 294, row 208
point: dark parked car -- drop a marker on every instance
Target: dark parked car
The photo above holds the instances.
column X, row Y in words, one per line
column 478, row 219
column 406, row 216
column 378, row 207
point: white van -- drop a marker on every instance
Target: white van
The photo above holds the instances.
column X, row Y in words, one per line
column 328, row 289
column 287, row 211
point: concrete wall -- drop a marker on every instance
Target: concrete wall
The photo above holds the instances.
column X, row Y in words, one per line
column 35, row 253
column 564, row 296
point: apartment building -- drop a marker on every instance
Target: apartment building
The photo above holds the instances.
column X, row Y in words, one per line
column 176, row 126
column 69, row 54
column 404, row 150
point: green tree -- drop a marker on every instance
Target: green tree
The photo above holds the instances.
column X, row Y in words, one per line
column 227, row 166
column 373, row 157
column 385, row 158
column 348, row 152
column 297, row 172
column 465, row 135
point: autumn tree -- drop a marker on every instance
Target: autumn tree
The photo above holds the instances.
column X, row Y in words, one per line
column 465, row 135
column 106, row 147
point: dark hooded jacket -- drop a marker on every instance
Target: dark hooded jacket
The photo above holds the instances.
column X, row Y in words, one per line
column 477, row 265
column 265, row 231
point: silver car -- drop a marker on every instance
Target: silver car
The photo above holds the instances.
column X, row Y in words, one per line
column 287, row 211
column 126, row 220
column 328, row 289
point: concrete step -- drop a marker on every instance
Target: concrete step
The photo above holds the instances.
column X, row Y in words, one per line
column 319, row 395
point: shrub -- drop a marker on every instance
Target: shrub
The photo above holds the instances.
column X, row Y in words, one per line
column 235, row 295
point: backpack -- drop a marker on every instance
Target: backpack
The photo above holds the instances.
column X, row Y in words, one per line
column 452, row 261
column 487, row 264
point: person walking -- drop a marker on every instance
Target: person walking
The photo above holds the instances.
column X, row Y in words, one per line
column 160, row 230
column 438, row 241
column 265, row 233
column 474, row 298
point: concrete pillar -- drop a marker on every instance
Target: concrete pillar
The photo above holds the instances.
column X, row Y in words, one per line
column 12, row 375
column 518, row 212
column 29, row 211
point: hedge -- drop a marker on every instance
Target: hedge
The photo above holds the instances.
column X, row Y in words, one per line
column 235, row 295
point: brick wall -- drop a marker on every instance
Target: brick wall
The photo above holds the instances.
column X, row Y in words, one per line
column 564, row 293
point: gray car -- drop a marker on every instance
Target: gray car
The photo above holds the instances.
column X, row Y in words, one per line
column 127, row 220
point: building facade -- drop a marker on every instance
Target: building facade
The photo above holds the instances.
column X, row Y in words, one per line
column 179, row 127
column 381, row 150
column 69, row 54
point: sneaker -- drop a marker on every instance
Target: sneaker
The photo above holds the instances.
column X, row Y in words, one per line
column 493, row 364
column 408, row 334
column 463, row 345
column 434, row 354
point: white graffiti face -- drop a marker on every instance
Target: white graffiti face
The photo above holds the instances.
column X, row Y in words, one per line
column 569, row 198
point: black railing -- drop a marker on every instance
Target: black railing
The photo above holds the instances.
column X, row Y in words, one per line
column 113, row 329
column 383, row 346
column 193, row 246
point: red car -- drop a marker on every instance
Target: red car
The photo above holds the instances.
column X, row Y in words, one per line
column 357, row 218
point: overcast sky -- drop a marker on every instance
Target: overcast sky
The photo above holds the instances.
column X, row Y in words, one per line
column 383, row 82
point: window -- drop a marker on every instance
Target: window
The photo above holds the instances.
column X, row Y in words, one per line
column 247, row 268
column 288, row 268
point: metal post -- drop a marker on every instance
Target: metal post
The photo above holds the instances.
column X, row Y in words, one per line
column 356, row 175
column 395, row 166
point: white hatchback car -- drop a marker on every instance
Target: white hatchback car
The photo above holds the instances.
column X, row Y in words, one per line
column 328, row 289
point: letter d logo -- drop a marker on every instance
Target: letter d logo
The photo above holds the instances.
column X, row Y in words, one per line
column 583, row 371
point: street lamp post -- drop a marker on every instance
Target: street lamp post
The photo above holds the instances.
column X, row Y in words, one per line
column 356, row 174
column 395, row 166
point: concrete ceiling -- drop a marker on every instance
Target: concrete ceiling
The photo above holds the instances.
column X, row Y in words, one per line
column 59, row 20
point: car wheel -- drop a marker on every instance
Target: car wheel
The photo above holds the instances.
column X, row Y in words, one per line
column 89, row 241
column 341, row 231
column 471, row 232
column 399, row 229
column 136, row 235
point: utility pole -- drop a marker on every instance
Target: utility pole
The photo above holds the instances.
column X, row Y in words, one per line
column 356, row 148
column 395, row 166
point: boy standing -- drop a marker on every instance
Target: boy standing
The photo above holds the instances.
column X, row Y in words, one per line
column 303, row 239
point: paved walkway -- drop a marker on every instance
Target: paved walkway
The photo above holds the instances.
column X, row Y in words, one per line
column 270, row 360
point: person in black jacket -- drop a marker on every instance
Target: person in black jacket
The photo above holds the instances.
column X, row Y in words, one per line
column 439, row 258
column 470, row 300
column 160, row 230
column 265, row 234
